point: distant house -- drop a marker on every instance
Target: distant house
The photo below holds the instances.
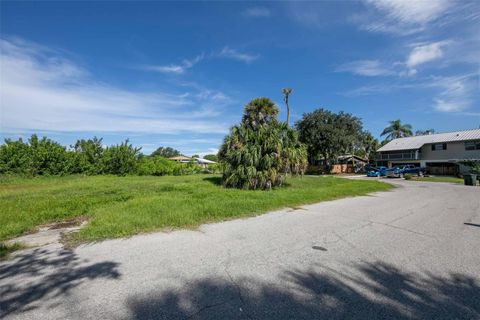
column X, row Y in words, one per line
column 181, row 159
column 441, row 153
column 349, row 164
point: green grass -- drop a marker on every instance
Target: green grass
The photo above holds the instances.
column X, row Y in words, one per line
column 439, row 179
column 123, row 206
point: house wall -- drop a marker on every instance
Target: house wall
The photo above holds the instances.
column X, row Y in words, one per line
column 455, row 150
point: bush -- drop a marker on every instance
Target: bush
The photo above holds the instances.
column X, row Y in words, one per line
column 155, row 166
column 36, row 157
column 120, row 159
column 407, row 176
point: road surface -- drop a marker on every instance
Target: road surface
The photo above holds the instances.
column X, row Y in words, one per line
column 413, row 252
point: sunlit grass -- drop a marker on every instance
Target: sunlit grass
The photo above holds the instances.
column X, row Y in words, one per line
column 123, row 206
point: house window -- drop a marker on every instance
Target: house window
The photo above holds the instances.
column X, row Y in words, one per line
column 439, row 146
column 472, row 145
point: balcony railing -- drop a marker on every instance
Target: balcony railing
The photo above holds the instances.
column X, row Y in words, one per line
column 410, row 155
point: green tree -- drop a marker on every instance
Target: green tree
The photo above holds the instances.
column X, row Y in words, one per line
column 260, row 152
column 396, row 129
column 424, row 132
column 121, row 159
column 211, row 157
column 166, row 152
column 88, row 156
column 368, row 146
column 329, row 135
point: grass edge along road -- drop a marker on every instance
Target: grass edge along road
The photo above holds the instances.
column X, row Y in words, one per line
column 124, row 206
column 447, row 179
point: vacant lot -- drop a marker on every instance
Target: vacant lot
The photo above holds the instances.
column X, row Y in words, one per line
column 122, row 206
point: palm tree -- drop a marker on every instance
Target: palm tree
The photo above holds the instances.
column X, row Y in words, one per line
column 286, row 93
column 397, row 130
column 261, row 151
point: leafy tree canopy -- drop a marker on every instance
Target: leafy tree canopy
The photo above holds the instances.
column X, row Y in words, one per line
column 211, row 157
column 329, row 135
column 424, row 132
column 260, row 151
column 166, row 152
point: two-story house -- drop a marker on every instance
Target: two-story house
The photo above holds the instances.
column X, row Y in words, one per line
column 440, row 153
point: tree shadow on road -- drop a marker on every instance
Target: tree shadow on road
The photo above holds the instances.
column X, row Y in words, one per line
column 369, row 291
column 33, row 275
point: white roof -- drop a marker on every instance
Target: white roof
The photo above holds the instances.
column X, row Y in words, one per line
column 204, row 161
column 417, row 142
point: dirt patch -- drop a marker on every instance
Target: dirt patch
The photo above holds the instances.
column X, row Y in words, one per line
column 71, row 223
column 57, row 232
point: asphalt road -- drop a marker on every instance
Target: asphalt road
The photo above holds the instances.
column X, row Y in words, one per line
column 410, row 253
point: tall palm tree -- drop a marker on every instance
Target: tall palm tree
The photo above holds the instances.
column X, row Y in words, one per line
column 397, row 130
column 286, row 94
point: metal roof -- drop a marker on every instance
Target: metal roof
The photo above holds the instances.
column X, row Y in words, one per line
column 417, row 142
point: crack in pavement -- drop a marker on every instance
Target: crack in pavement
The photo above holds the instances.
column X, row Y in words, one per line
column 391, row 226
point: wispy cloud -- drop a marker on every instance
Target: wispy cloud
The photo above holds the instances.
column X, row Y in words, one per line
column 42, row 90
column 399, row 16
column 230, row 53
column 186, row 64
column 175, row 68
column 424, row 53
column 456, row 93
column 449, row 93
column 256, row 12
column 370, row 68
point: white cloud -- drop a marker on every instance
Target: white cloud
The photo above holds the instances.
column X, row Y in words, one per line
column 175, row 68
column 368, row 68
column 256, row 12
column 230, row 53
column 41, row 90
column 401, row 16
column 423, row 53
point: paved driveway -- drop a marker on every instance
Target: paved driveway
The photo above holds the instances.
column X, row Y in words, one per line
column 410, row 253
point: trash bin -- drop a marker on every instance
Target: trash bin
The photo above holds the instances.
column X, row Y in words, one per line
column 470, row 179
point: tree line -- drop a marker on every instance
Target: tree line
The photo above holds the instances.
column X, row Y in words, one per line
column 43, row 156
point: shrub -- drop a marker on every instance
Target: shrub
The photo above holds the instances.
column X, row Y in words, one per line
column 407, row 176
column 155, row 166
column 87, row 156
column 120, row 159
column 36, row 157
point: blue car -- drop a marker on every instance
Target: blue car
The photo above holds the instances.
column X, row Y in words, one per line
column 398, row 172
column 379, row 171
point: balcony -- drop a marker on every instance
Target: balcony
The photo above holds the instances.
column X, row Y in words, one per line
column 405, row 155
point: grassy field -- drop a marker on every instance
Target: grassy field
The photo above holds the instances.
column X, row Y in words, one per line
column 123, row 206
column 439, row 179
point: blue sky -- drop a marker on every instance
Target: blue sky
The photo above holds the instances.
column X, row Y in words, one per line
column 179, row 73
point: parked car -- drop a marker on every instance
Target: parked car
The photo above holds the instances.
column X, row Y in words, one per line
column 398, row 172
column 379, row 171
